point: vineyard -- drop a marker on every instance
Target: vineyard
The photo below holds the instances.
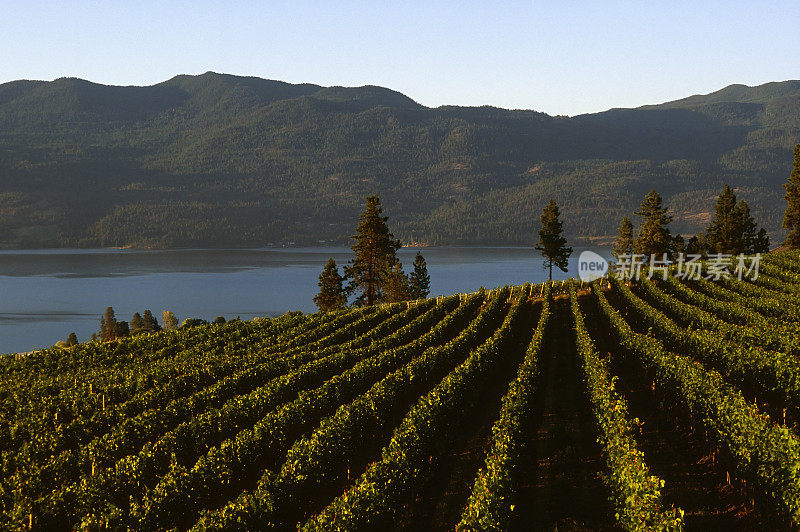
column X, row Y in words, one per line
column 651, row 405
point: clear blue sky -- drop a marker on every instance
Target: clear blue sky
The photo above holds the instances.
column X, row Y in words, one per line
column 559, row 57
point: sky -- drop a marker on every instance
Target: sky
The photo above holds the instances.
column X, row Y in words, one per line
column 559, row 57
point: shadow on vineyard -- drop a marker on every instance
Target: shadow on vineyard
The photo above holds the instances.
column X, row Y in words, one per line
column 441, row 497
column 693, row 481
column 562, row 488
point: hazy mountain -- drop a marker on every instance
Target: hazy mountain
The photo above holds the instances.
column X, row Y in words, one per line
column 241, row 161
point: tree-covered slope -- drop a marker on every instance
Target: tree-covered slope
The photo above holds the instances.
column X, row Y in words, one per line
column 221, row 160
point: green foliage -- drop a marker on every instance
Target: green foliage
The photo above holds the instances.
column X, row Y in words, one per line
column 791, row 217
column 419, row 279
column 375, row 254
column 636, row 493
column 552, row 243
column 72, row 339
column 733, row 230
column 396, row 285
column 654, row 236
column 377, row 491
column 108, row 325
column 137, row 324
column 757, row 449
column 331, row 292
column 122, row 329
column 492, row 500
column 149, row 321
column 623, row 245
column 169, row 320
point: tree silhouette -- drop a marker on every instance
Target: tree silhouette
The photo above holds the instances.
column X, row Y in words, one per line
column 623, row 245
column 420, row 280
column 375, row 254
column 331, row 295
column 72, row 339
column 654, row 237
column 552, row 243
column 791, row 217
column 396, row 285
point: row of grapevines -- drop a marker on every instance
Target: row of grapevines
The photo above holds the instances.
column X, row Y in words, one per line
column 69, row 401
column 45, row 441
column 692, row 316
column 636, row 493
column 771, row 280
column 727, row 318
column 759, row 450
column 316, row 461
column 490, row 504
column 764, row 303
column 183, row 493
column 781, row 273
column 109, row 492
column 774, row 373
column 57, row 368
column 789, row 260
column 375, row 495
column 135, row 432
column 775, row 332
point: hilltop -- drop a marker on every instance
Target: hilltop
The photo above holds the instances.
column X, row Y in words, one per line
column 223, row 160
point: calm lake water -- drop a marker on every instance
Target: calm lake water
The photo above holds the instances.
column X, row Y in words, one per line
column 46, row 294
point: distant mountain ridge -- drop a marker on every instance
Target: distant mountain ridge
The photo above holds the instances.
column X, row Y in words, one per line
column 223, row 160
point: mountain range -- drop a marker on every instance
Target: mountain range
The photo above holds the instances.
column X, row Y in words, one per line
column 218, row 160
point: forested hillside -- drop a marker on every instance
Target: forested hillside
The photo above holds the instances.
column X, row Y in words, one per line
column 220, row 160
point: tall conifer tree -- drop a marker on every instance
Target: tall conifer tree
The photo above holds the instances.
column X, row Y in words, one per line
column 110, row 327
column 552, row 243
column 137, row 323
column 654, row 237
column 623, row 245
column 420, row 280
column 396, row 286
column 791, row 218
column 375, row 254
column 733, row 229
column 331, row 294
column 150, row 322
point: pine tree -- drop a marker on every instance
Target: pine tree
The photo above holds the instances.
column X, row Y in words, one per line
column 122, row 329
column 375, row 253
column 552, row 244
column 331, row 294
column 420, row 280
column 109, row 331
column 137, row 323
column 72, row 339
column 749, row 231
column 761, row 243
column 733, row 229
column 396, row 285
column 169, row 320
column 696, row 245
column 623, row 245
column 150, row 322
column 654, row 237
column 791, row 218
column 726, row 232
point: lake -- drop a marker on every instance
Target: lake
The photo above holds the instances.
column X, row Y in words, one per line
column 46, row 294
